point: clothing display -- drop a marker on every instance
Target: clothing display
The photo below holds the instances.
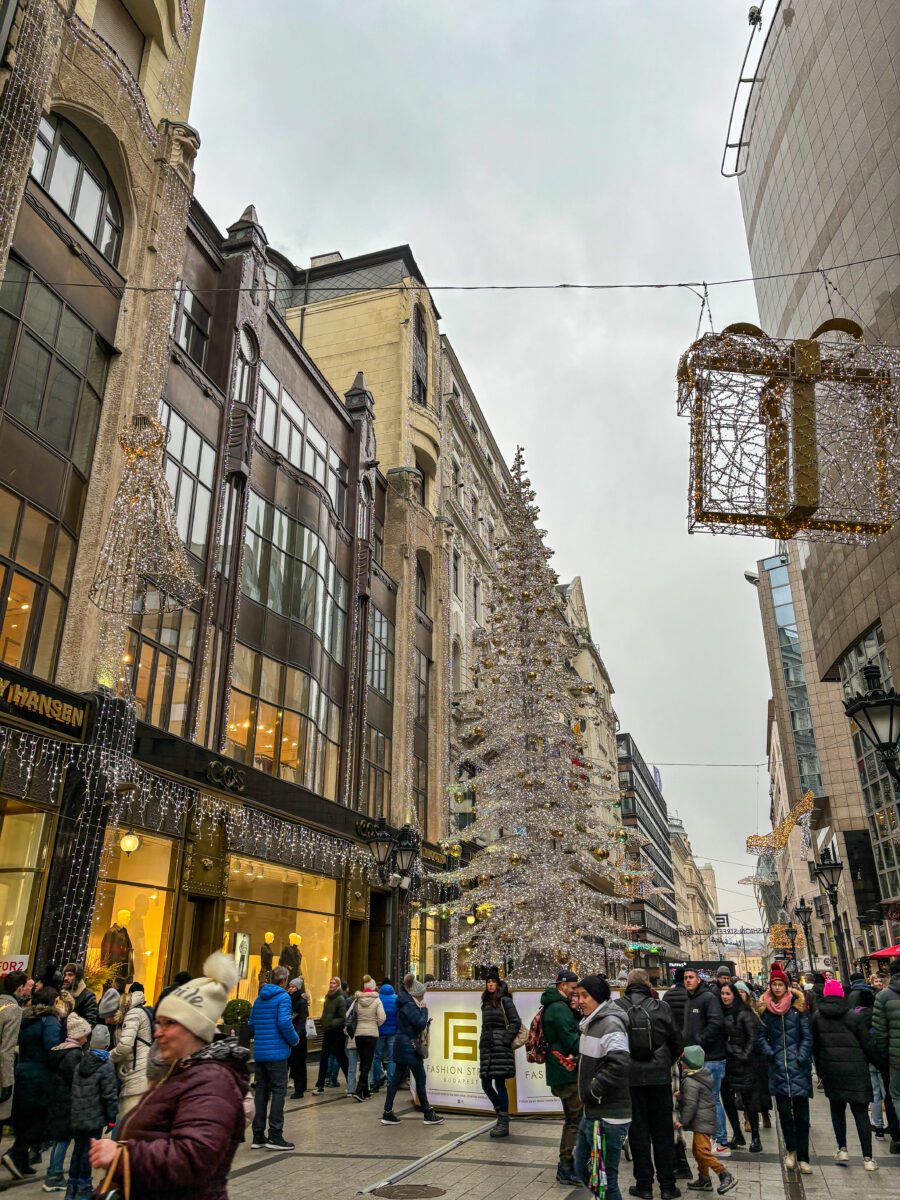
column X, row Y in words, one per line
column 266, row 958
column 290, row 958
column 116, row 947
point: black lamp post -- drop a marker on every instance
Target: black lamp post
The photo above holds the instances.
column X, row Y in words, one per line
column 380, row 839
column 803, row 912
column 790, row 931
column 828, row 872
column 877, row 716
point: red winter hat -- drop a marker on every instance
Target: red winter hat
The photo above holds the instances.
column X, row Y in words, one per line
column 777, row 973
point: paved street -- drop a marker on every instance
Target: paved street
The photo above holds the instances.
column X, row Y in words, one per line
column 342, row 1149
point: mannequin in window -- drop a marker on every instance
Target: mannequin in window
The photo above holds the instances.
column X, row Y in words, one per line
column 291, row 956
column 116, row 947
column 266, row 958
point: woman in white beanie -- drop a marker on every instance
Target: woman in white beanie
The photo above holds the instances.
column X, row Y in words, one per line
column 182, row 1136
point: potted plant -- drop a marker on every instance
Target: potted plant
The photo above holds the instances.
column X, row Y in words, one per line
column 234, row 1019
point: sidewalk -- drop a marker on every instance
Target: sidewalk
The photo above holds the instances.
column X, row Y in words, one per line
column 343, row 1149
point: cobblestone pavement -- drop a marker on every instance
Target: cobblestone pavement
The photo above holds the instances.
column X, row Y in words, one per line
column 343, row 1149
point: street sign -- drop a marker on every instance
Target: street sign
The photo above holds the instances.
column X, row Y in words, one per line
column 721, row 920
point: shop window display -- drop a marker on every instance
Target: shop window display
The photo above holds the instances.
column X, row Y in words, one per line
column 133, row 909
column 424, row 935
column 275, row 916
column 23, row 856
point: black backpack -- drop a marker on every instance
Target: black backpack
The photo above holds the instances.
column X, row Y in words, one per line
column 641, row 1045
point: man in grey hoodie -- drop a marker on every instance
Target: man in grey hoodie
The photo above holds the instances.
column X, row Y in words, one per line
column 603, row 1073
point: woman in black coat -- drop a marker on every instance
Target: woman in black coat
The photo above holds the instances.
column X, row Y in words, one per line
column 40, row 1031
column 741, row 1066
column 844, row 1070
column 299, row 1017
column 496, row 1058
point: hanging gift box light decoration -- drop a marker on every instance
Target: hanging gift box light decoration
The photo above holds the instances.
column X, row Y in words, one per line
column 792, row 438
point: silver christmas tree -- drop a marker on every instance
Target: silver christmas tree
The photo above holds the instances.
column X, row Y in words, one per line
column 546, row 823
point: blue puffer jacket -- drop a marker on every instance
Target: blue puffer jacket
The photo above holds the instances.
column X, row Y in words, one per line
column 411, row 1023
column 787, row 1043
column 271, row 1025
column 389, row 1003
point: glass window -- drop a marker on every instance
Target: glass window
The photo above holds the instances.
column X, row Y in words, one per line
column 43, row 392
column 315, row 455
column 421, row 697
column 283, row 722
column 376, row 797
column 420, row 791
column 190, row 469
column 456, row 573
column 337, row 483
column 420, row 357
column 275, row 915
column 133, row 909
column 66, row 165
column 190, row 324
column 287, row 568
column 421, row 588
column 158, row 666
column 24, row 836
column 381, row 653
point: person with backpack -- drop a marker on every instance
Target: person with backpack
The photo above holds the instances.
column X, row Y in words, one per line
column 500, row 1023
column 553, row 1040
column 94, row 1109
column 860, row 1021
column 129, row 1055
column 383, row 1063
column 654, row 1045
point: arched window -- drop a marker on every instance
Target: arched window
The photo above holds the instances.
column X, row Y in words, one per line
column 66, row 165
column 420, row 357
column 421, row 588
column 456, row 667
column 247, row 354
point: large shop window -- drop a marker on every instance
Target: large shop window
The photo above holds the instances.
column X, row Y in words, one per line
column 158, row 665
column 376, row 797
column 275, row 916
column 424, row 934
column 381, row 653
column 190, row 471
column 66, row 165
column 36, row 556
column 281, row 422
column 281, row 722
column 133, row 909
column 24, row 834
column 52, row 367
column 287, row 567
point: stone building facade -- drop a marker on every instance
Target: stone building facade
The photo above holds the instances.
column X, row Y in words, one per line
column 696, row 907
column 820, row 189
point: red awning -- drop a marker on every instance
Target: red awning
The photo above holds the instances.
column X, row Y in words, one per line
column 890, row 952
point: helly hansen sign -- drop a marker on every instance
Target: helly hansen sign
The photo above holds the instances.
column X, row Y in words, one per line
column 40, row 706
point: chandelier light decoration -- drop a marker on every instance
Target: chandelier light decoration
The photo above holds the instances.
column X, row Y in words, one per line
column 143, row 563
column 774, row 843
column 792, row 438
column 545, row 820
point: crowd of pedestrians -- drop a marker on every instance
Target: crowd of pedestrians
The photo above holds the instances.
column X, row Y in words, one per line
column 112, row 1086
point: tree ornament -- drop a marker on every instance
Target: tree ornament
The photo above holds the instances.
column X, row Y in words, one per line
column 455, row 850
column 531, row 676
column 515, row 859
column 600, row 853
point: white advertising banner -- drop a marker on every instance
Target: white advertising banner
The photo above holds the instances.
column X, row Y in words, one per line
column 452, row 1071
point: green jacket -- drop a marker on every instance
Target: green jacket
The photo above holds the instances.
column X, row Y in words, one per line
column 334, row 1013
column 886, row 1021
column 562, row 1034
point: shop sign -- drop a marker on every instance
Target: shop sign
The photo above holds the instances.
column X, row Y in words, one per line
column 18, row 962
column 433, row 856
column 44, row 707
column 225, row 775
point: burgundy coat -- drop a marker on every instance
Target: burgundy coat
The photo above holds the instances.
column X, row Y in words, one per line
column 183, row 1135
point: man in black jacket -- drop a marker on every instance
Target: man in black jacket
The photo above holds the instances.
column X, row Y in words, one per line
column 650, row 1083
column 676, row 997
column 704, row 1025
column 85, row 1002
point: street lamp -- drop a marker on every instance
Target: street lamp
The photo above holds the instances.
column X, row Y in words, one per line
column 407, row 848
column 380, row 840
column 803, row 912
column 877, row 716
column 828, row 872
column 790, row 930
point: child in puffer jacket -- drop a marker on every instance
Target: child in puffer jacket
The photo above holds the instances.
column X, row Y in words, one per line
column 697, row 1114
column 95, row 1103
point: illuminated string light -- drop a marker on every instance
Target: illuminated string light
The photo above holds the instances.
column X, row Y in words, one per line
column 774, row 843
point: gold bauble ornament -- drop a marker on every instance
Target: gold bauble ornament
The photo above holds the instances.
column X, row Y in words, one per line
column 479, row 700
column 540, row 610
column 483, row 879
column 542, row 641
column 531, row 675
column 561, row 957
column 515, row 858
column 478, row 731
column 600, row 853
column 622, row 834
column 526, row 595
column 455, row 850
column 528, row 785
column 548, row 662
column 555, row 833
column 488, row 664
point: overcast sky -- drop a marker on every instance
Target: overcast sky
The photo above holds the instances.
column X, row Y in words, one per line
column 539, row 141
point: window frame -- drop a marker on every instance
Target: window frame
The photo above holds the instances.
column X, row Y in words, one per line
column 175, row 466
column 421, row 669
column 376, row 789
column 139, row 638
column 420, row 358
column 184, row 318
column 55, row 131
column 380, row 659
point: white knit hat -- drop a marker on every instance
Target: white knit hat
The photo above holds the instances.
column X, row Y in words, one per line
column 197, row 1005
column 77, row 1027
